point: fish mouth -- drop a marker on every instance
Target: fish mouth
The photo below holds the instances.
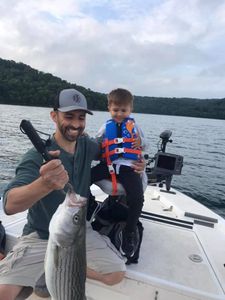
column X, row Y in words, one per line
column 70, row 189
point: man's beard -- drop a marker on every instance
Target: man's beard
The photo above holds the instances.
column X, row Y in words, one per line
column 68, row 132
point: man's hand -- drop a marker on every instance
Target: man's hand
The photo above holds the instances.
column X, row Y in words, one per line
column 139, row 166
column 53, row 174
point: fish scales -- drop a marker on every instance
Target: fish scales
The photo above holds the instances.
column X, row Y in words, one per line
column 65, row 262
column 70, row 266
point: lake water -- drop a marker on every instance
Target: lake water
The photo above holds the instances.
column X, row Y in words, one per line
column 200, row 141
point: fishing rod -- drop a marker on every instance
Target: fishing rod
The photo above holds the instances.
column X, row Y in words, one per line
column 27, row 128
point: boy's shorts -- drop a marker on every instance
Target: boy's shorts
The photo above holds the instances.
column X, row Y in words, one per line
column 25, row 263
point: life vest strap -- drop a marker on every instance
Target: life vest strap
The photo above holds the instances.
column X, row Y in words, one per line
column 113, row 178
column 122, row 150
column 116, row 141
column 111, row 169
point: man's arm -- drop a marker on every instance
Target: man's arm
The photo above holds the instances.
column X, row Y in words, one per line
column 53, row 176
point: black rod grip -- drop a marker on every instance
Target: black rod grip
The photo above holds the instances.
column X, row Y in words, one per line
column 35, row 139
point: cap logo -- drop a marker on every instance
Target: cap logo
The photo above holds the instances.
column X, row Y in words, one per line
column 76, row 98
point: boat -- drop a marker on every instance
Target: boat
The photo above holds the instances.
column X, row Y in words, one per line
column 182, row 254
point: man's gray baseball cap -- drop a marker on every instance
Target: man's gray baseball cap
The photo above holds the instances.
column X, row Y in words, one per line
column 71, row 99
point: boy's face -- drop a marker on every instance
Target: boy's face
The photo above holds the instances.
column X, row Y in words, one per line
column 119, row 112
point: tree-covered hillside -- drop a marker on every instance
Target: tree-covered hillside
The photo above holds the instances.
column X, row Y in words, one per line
column 201, row 108
column 22, row 85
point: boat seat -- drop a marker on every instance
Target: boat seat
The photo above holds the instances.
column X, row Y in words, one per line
column 106, row 186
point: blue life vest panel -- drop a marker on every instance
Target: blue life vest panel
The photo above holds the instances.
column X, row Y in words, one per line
column 120, row 138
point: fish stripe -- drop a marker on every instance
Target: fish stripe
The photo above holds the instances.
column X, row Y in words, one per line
column 65, row 267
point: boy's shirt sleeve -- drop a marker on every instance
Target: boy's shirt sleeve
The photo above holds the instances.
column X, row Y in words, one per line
column 100, row 134
column 144, row 143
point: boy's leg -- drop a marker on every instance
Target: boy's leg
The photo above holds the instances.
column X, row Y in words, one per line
column 22, row 266
column 132, row 183
column 99, row 172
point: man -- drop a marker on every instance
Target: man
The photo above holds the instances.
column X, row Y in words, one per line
column 36, row 187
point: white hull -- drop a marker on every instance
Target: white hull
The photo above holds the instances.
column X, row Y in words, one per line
column 165, row 269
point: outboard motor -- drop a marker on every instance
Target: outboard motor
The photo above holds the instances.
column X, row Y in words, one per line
column 165, row 136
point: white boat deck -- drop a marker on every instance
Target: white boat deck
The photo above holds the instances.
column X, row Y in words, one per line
column 178, row 260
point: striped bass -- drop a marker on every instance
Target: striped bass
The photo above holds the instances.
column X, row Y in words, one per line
column 65, row 261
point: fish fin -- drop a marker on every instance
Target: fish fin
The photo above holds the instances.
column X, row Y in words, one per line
column 56, row 256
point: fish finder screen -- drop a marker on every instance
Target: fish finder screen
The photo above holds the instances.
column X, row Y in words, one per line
column 166, row 162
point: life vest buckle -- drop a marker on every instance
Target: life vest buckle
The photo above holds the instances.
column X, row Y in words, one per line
column 118, row 140
column 119, row 150
column 111, row 169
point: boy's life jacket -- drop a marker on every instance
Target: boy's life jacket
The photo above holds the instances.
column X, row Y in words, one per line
column 117, row 142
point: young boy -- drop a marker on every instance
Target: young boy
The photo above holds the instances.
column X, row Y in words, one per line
column 122, row 142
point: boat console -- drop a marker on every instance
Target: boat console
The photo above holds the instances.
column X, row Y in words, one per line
column 165, row 164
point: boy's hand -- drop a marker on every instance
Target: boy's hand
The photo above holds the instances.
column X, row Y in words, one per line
column 137, row 143
column 139, row 166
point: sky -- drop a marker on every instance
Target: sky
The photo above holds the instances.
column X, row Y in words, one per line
column 159, row 48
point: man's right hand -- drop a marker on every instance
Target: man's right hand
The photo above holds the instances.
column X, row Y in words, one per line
column 53, row 174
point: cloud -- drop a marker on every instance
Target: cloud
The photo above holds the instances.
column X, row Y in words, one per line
column 155, row 48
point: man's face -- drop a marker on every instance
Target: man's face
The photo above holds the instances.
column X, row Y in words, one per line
column 70, row 124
